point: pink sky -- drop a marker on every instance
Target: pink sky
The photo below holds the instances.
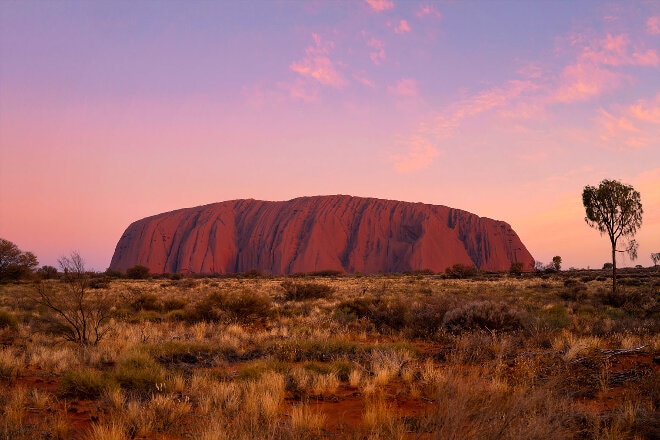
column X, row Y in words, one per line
column 114, row 111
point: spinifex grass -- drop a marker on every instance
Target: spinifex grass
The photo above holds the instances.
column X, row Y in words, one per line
column 390, row 356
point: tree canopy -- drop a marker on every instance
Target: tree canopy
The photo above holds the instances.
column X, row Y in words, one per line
column 614, row 209
column 14, row 263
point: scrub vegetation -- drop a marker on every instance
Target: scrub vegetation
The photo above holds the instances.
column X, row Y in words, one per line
column 410, row 356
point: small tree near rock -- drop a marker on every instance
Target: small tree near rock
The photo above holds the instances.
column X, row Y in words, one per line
column 614, row 209
column 14, row 263
column 75, row 311
column 556, row 263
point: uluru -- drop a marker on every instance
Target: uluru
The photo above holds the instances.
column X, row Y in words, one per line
column 307, row 234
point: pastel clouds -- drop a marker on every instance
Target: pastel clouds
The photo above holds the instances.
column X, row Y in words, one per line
column 402, row 28
column 380, row 5
column 318, row 66
column 633, row 126
column 404, row 87
column 653, row 25
column 420, row 154
column 420, row 148
column 582, row 81
column 595, row 72
column 483, row 101
column 427, row 10
column 377, row 54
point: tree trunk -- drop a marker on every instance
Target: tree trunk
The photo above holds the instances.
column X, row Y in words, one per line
column 613, row 269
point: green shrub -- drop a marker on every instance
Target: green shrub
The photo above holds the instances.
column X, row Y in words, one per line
column 556, row 317
column 303, row 291
column 139, row 372
column 7, row 319
column 148, row 301
column 84, row 383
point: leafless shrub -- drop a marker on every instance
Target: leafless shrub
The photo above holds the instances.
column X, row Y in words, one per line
column 75, row 312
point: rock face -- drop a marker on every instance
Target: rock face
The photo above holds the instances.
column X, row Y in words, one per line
column 309, row 234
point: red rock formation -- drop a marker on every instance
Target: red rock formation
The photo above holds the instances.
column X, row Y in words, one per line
column 308, row 234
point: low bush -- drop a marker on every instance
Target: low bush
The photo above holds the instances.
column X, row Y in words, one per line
column 555, row 317
column 461, row 271
column 482, row 315
column 7, row 319
column 139, row 372
column 148, row 301
column 85, row 383
column 304, row 291
column 426, row 317
column 174, row 304
column 137, row 272
column 243, row 306
column 173, row 352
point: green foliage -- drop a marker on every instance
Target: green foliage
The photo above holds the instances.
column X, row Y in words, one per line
column 148, row 301
column 304, row 291
column 556, row 317
column 137, row 272
column 14, row 263
column 139, row 372
column 7, row 319
column 84, row 383
column 608, row 266
column 556, row 263
column 614, row 209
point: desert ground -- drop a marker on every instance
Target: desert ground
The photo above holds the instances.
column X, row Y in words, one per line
column 409, row 356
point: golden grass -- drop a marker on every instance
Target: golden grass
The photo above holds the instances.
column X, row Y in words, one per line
column 276, row 375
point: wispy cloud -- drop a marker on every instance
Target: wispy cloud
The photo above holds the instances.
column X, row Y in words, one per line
column 377, row 54
column 427, row 10
column 422, row 147
column 653, row 25
column 362, row 77
column 594, row 71
column 648, row 111
column 300, row 90
column 402, row 28
column 485, row 100
column 582, row 81
column 404, row 87
column 380, row 5
column 634, row 126
column 419, row 155
column 317, row 64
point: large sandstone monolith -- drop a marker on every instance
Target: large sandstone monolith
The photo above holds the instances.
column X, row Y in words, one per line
column 309, row 234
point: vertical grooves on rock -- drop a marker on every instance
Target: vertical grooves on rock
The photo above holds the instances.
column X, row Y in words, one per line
column 316, row 233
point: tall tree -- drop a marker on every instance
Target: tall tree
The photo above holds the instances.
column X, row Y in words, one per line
column 14, row 263
column 614, row 208
column 556, row 263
